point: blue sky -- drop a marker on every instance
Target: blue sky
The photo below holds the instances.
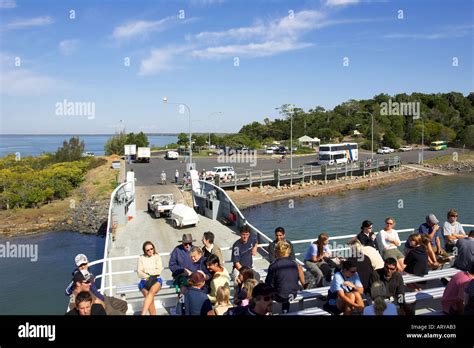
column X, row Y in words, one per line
column 287, row 52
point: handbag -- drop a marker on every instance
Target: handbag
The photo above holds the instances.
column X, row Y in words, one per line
column 150, row 282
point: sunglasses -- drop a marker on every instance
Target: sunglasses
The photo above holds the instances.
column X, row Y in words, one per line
column 147, row 250
column 352, row 272
column 86, row 282
column 83, row 264
column 187, row 244
column 267, row 298
column 389, row 223
column 391, row 268
column 453, row 216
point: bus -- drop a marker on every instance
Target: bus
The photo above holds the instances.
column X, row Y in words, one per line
column 338, row 153
column 438, row 145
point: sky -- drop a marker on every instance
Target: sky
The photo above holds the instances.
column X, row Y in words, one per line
column 94, row 67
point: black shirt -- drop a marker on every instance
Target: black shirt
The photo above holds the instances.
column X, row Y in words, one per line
column 96, row 309
column 243, row 252
column 283, row 277
column 395, row 285
column 367, row 240
column 271, row 251
column 364, row 269
column 417, row 261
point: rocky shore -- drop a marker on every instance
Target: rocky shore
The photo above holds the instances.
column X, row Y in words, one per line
column 460, row 167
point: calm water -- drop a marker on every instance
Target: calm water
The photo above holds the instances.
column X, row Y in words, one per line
column 343, row 214
column 38, row 287
column 34, row 145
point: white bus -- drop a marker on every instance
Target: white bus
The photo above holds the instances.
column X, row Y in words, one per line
column 338, row 153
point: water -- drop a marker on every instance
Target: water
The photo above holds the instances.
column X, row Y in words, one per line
column 34, row 145
column 408, row 202
column 38, row 287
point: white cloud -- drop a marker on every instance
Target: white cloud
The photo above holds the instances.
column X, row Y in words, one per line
column 141, row 28
column 334, row 3
column 21, row 82
column 67, row 47
column 448, row 32
column 29, row 22
column 206, row 2
column 7, row 3
column 160, row 60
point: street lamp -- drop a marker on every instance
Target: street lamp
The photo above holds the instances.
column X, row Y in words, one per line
column 422, row 136
column 165, row 100
column 208, row 121
column 292, row 108
column 367, row 112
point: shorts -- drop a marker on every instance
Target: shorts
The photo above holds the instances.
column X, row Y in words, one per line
column 141, row 284
column 394, row 253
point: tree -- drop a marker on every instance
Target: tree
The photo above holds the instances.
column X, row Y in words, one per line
column 183, row 139
column 115, row 144
column 70, row 151
column 389, row 139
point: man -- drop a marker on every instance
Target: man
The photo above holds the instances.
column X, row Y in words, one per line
column 283, row 275
column 452, row 230
column 453, row 296
column 194, row 301
column 431, row 228
column 176, row 176
column 163, row 177
column 210, row 248
column 279, row 236
column 82, row 264
column 260, row 304
column 464, row 252
column 392, row 279
column 84, row 305
column 243, row 250
column 180, row 263
column 345, row 292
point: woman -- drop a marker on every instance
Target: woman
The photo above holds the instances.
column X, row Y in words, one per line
column 366, row 235
column 432, row 260
column 416, row 260
column 149, row 270
column 223, row 300
column 220, row 276
column 389, row 242
column 249, row 284
column 245, row 273
column 315, row 257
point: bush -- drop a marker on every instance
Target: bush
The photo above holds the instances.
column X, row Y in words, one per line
column 70, row 151
column 389, row 139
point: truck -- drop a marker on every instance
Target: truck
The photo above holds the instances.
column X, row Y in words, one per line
column 143, row 154
column 161, row 204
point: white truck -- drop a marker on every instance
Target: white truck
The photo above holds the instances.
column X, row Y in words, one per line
column 143, row 154
column 182, row 216
column 161, row 204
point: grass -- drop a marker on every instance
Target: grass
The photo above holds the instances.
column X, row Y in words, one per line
column 466, row 156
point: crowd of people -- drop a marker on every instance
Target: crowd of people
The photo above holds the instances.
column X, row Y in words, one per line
column 369, row 281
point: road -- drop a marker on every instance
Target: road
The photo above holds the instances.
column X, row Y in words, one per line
column 149, row 173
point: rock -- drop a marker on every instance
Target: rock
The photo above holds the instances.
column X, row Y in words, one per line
column 51, row 219
column 69, row 221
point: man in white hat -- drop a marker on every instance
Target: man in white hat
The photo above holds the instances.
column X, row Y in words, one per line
column 431, row 228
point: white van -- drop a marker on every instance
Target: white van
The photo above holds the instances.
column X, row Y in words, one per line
column 221, row 171
column 172, row 155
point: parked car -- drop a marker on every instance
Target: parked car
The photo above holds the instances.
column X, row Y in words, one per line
column 269, row 151
column 405, row 148
column 282, row 150
column 182, row 215
column 161, row 204
column 173, row 155
column 88, row 154
column 221, row 171
column 385, row 150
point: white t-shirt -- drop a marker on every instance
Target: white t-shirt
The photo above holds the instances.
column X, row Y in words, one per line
column 390, row 310
column 450, row 229
column 374, row 257
column 384, row 244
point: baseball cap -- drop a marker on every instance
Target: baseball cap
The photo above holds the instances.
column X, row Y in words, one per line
column 432, row 218
column 81, row 259
column 82, row 276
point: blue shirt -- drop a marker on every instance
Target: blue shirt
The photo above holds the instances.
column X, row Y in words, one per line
column 313, row 251
column 179, row 260
column 242, row 253
column 425, row 229
column 336, row 284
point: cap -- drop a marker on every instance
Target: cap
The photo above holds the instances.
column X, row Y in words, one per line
column 432, row 218
column 82, row 276
column 187, row 238
column 81, row 259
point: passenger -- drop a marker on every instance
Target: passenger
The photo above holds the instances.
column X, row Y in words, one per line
column 240, row 293
column 180, row 263
column 149, row 270
column 464, row 252
column 431, row 228
column 219, row 276
column 199, row 265
column 194, row 300
column 392, row 279
column 283, row 275
column 416, row 260
column 243, row 251
column 176, row 176
column 315, row 259
column 247, row 289
column 453, row 296
column 260, row 304
column 345, row 292
column 223, row 300
column 432, row 259
column 389, row 242
column 366, row 235
column 163, row 177
column 279, row 236
column 210, row 248
column 452, row 231
column 362, row 263
column 380, row 306
column 84, row 305
column 82, row 264
column 469, row 299
column 369, row 252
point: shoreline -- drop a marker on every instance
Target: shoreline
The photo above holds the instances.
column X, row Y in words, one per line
column 248, row 198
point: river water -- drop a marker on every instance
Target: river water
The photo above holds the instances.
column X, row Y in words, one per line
column 38, row 287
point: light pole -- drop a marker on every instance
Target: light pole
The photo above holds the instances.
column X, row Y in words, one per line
column 292, row 108
column 208, row 121
column 367, row 112
column 165, row 100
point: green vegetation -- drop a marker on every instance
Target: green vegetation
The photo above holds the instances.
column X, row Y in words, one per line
column 115, row 144
column 31, row 181
column 446, row 116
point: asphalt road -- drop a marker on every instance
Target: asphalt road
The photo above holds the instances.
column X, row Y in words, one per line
column 149, row 173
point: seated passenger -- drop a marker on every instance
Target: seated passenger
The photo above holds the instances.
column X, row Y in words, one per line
column 149, row 270
column 452, row 231
column 84, row 305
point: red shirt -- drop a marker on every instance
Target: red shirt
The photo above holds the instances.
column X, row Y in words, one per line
column 455, row 290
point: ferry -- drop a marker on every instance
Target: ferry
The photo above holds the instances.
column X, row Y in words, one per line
column 129, row 225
